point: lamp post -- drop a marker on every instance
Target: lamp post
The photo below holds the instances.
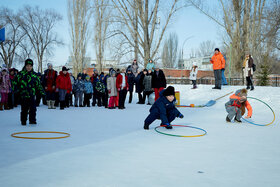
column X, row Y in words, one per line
column 183, row 47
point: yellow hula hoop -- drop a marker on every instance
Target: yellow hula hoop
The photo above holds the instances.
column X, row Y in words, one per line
column 59, row 137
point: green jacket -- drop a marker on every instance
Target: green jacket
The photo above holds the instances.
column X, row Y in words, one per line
column 28, row 84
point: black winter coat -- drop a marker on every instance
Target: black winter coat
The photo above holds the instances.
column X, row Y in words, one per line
column 130, row 80
column 158, row 81
column 139, row 82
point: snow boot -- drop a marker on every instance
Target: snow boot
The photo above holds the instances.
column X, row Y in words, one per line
column 23, row 123
column 237, row 120
column 227, row 119
column 1, row 106
column 52, row 105
column 252, row 88
column 49, row 104
column 6, row 106
column 168, row 127
column 146, row 126
column 32, row 122
column 61, row 105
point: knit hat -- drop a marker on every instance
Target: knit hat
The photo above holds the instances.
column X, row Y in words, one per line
column 169, row 91
column 28, row 61
column 217, row 49
column 64, row 68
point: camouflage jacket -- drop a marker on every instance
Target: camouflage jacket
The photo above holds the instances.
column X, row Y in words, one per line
column 28, row 84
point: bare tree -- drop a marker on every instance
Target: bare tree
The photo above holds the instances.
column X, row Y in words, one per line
column 39, row 27
column 170, row 51
column 141, row 20
column 79, row 14
column 102, row 19
column 206, row 48
column 14, row 36
column 242, row 21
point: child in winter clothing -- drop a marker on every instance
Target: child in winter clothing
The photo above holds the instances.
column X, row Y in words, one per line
column 193, row 74
column 147, row 82
column 79, row 90
column 88, row 91
column 164, row 109
column 150, row 65
column 63, row 86
column 236, row 106
column 5, row 88
column 112, row 90
column 130, row 79
column 122, row 86
column 100, row 90
column 28, row 83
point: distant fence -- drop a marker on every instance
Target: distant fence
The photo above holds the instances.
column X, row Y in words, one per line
column 273, row 81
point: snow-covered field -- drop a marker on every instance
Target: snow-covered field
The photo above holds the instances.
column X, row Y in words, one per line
column 110, row 148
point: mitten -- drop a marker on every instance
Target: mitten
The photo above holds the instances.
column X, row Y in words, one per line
column 181, row 116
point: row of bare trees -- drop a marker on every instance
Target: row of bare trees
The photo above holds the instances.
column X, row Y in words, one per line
column 251, row 26
column 29, row 34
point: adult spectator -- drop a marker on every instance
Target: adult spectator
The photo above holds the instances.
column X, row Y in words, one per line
column 248, row 71
column 218, row 62
column 158, row 81
column 49, row 83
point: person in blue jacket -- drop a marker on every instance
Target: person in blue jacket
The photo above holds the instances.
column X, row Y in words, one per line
column 164, row 109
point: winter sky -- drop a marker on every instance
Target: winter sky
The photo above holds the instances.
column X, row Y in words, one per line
column 188, row 23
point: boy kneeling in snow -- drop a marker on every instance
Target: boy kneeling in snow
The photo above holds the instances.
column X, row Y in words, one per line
column 236, row 106
column 164, row 109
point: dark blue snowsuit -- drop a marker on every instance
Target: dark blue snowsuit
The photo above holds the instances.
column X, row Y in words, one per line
column 164, row 110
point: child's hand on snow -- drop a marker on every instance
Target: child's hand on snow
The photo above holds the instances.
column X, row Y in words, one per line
column 247, row 117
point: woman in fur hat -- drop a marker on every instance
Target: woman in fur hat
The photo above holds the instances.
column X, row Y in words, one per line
column 236, row 106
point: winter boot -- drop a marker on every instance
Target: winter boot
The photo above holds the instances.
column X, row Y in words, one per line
column 6, row 106
column 252, row 88
column 1, row 106
column 227, row 119
column 52, row 105
column 49, row 104
column 61, row 105
column 32, row 122
column 23, row 123
column 237, row 120
column 168, row 127
column 146, row 126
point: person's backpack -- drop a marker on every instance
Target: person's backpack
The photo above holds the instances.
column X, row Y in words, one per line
column 254, row 67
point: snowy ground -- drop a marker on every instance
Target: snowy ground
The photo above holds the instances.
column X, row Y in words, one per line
column 110, row 148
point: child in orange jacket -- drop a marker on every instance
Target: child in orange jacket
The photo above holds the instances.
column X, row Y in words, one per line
column 236, row 106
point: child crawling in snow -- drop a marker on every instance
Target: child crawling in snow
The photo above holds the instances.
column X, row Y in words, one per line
column 164, row 109
column 236, row 106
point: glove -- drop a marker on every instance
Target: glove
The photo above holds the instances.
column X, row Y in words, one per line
column 181, row 116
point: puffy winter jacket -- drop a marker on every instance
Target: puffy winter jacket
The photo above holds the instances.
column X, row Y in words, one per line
column 79, row 86
column 49, row 79
column 158, row 79
column 147, row 82
column 235, row 102
column 218, row 61
column 120, row 80
column 63, row 82
column 28, row 84
column 162, row 107
column 88, row 87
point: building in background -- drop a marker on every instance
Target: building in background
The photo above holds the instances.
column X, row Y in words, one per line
column 203, row 63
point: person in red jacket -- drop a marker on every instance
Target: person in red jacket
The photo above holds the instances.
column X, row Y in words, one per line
column 122, row 87
column 218, row 62
column 49, row 80
column 63, row 86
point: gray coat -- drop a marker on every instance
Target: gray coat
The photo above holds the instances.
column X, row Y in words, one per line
column 111, row 86
column 147, row 82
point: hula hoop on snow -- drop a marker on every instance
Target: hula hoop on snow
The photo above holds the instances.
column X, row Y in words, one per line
column 59, row 137
column 268, row 107
column 190, row 106
column 205, row 132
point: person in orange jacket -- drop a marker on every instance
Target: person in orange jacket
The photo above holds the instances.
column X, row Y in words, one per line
column 236, row 106
column 218, row 62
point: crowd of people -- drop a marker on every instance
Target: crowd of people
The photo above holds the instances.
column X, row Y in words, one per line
column 27, row 88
